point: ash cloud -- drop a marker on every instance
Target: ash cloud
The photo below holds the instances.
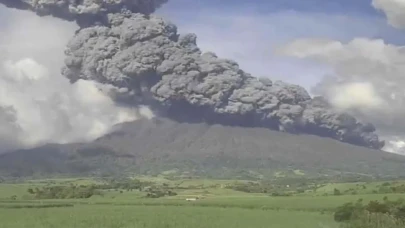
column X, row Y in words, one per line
column 153, row 65
column 84, row 12
column 148, row 57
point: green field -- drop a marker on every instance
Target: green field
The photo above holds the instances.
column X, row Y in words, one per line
column 217, row 207
column 157, row 217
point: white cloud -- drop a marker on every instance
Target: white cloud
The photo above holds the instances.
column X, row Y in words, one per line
column 395, row 145
column 367, row 80
column 37, row 104
column 394, row 10
column 353, row 95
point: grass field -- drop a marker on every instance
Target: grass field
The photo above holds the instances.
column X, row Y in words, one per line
column 158, row 217
column 220, row 207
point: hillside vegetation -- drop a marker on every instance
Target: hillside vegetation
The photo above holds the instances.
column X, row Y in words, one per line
column 165, row 147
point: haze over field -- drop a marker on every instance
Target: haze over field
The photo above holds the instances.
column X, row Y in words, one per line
column 119, row 66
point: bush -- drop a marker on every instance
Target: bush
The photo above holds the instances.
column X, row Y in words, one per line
column 157, row 193
column 377, row 207
column 347, row 211
column 336, row 192
column 280, row 194
column 355, row 214
column 374, row 220
column 301, row 191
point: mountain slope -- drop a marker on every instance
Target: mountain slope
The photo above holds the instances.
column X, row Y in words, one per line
column 158, row 145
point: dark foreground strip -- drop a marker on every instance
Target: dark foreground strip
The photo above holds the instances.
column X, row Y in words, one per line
column 33, row 206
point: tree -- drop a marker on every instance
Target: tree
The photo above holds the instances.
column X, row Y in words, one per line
column 336, row 192
column 30, row 191
column 347, row 211
column 377, row 207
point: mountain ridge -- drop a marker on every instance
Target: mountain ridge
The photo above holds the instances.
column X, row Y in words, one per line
column 160, row 144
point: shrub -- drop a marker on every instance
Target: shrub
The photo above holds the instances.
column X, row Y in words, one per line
column 157, row 193
column 336, row 192
column 280, row 194
column 347, row 211
column 377, row 207
column 374, row 220
column 384, row 213
column 301, row 191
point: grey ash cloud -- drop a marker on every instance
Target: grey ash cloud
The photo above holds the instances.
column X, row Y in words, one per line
column 146, row 57
column 84, row 12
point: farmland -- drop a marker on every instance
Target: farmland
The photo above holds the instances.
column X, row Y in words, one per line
column 217, row 206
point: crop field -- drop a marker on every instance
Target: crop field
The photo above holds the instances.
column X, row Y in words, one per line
column 157, row 217
column 216, row 207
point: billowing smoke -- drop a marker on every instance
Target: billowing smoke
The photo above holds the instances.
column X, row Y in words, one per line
column 147, row 56
column 37, row 104
column 152, row 65
column 84, row 12
column 368, row 81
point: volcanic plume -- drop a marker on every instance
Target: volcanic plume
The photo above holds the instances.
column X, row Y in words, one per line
column 122, row 44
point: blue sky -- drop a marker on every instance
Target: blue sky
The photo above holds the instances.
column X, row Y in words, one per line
column 250, row 31
column 330, row 6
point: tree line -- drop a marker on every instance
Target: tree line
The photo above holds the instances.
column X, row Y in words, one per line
column 86, row 191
